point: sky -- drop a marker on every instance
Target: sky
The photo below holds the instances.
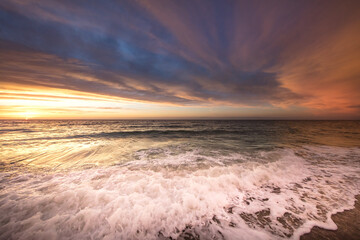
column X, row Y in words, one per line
column 179, row 59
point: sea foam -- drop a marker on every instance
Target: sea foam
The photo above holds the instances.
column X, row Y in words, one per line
column 283, row 198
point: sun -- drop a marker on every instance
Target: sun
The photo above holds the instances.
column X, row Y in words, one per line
column 28, row 115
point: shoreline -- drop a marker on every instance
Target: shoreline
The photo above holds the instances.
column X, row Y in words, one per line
column 348, row 223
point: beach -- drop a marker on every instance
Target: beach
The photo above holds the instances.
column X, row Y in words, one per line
column 348, row 223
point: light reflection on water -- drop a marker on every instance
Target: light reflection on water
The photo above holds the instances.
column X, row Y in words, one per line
column 178, row 179
column 60, row 145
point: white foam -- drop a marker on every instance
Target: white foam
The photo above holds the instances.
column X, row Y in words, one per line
column 250, row 200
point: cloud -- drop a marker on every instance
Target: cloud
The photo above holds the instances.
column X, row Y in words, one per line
column 188, row 53
column 27, row 67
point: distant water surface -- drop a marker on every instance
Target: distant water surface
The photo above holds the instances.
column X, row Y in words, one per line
column 175, row 179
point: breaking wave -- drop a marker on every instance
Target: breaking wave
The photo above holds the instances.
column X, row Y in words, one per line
column 152, row 199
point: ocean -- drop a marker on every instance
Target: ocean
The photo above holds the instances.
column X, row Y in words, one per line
column 188, row 179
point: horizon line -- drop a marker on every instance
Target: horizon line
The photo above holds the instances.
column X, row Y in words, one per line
column 179, row 119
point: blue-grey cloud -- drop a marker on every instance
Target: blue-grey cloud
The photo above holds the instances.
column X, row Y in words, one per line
column 182, row 52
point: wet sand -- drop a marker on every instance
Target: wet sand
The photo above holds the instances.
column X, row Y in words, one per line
column 348, row 223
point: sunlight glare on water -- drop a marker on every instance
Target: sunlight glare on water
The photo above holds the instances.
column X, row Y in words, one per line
column 162, row 179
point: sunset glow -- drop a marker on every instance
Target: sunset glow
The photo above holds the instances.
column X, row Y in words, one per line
column 180, row 119
column 161, row 60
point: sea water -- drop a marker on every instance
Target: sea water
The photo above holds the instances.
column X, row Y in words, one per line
column 175, row 179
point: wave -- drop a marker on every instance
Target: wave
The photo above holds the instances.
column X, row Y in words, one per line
column 145, row 133
column 9, row 130
column 276, row 200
